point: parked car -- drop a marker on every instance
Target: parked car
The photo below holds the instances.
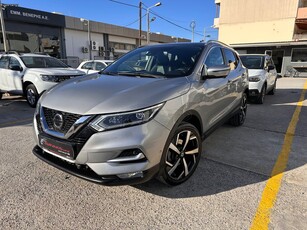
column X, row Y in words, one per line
column 127, row 126
column 31, row 74
column 94, row 66
column 262, row 76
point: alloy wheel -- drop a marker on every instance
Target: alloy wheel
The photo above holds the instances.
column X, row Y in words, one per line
column 182, row 156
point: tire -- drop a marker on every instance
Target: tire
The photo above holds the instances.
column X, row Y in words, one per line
column 260, row 99
column 1, row 94
column 272, row 91
column 181, row 154
column 31, row 95
column 239, row 118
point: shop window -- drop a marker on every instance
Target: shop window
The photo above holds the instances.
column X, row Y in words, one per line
column 299, row 55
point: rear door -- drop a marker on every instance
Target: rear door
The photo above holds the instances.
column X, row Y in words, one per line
column 4, row 62
column 233, row 79
column 14, row 77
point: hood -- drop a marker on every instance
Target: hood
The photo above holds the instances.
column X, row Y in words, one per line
column 56, row 71
column 255, row 72
column 101, row 94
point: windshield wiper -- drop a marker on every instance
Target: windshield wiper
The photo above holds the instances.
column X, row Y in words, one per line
column 139, row 74
column 108, row 73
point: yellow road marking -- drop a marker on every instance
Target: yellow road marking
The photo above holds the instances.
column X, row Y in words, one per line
column 262, row 217
column 15, row 122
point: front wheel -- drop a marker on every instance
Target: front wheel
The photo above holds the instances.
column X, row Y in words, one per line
column 31, row 95
column 181, row 155
column 239, row 118
column 272, row 91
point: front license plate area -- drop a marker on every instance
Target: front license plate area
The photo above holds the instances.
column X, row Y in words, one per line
column 63, row 149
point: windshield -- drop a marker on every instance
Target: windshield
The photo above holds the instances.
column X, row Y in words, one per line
column 253, row 62
column 174, row 60
column 42, row 62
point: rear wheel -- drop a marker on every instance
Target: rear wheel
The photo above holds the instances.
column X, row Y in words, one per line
column 31, row 95
column 239, row 118
column 181, row 155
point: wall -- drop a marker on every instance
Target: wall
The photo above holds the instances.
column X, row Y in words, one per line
column 253, row 21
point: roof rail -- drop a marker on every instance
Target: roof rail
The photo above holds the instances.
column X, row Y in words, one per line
column 12, row 52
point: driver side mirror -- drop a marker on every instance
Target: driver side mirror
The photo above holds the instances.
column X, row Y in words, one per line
column 15, row 68
column 219, row 71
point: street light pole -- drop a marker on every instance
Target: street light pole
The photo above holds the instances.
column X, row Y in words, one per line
column 140, row 23
column 148, row 21
column 3, row 29
column 88, row 37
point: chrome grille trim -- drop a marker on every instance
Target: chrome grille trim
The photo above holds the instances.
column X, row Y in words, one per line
column 75, row 123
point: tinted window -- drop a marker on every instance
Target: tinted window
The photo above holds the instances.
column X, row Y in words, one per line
column 231, row 59
column 214, row 58
column 87, row 65
column 253, row 62
column 4, row 62
column 99, row 66
column 167, row 61
column 14, row 62
column 42, row 62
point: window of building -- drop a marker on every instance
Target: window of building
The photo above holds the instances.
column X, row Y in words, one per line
column 299, row 55
column 122, row 46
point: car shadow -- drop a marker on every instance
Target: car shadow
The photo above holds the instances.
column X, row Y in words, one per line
column 14, row 111
column 238, row 157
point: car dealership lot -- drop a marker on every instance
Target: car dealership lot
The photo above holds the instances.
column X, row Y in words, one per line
column 224, row 192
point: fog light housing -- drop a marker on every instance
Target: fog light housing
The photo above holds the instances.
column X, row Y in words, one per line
column 131, row 175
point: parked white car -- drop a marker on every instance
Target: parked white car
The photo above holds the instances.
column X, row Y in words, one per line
column 31, row 74
column 94, row 66
column 262, row 76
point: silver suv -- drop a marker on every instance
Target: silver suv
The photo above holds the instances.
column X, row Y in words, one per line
column 133, row 122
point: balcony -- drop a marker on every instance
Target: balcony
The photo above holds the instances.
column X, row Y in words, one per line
column 301, row 19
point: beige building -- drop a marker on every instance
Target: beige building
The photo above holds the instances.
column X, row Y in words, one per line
column 276, row 27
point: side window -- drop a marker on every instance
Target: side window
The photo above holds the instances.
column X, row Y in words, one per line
column 231, row 59
column 214, row 58
column 14, row 62
column 4, row 61
column 99, row 66
column 88, row 65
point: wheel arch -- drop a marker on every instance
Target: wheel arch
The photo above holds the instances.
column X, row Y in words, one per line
column 193, row 118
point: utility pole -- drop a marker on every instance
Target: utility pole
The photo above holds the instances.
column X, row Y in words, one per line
column 140, row 23
column 3, row 29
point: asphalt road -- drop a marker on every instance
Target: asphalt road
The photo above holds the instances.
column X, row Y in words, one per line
column 224, row 193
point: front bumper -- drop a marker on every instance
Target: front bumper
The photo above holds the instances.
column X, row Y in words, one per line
column 95, row 161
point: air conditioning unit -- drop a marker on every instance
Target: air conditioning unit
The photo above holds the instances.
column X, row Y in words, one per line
column 84, row 50
column 94, row 45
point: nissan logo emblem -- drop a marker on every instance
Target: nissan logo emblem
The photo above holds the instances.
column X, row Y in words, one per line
column 58, row 121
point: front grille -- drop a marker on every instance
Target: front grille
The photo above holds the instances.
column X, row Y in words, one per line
column 77, row 140
column 64, row 78
column 69, row 119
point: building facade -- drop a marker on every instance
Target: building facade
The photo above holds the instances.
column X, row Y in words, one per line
column 275, row 27
column 69, row 38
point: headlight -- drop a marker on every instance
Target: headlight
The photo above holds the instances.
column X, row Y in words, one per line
column 119, row 120
column 50, row 78
column 254, row 78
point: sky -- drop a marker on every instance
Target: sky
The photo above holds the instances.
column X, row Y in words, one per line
column 173, row 17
